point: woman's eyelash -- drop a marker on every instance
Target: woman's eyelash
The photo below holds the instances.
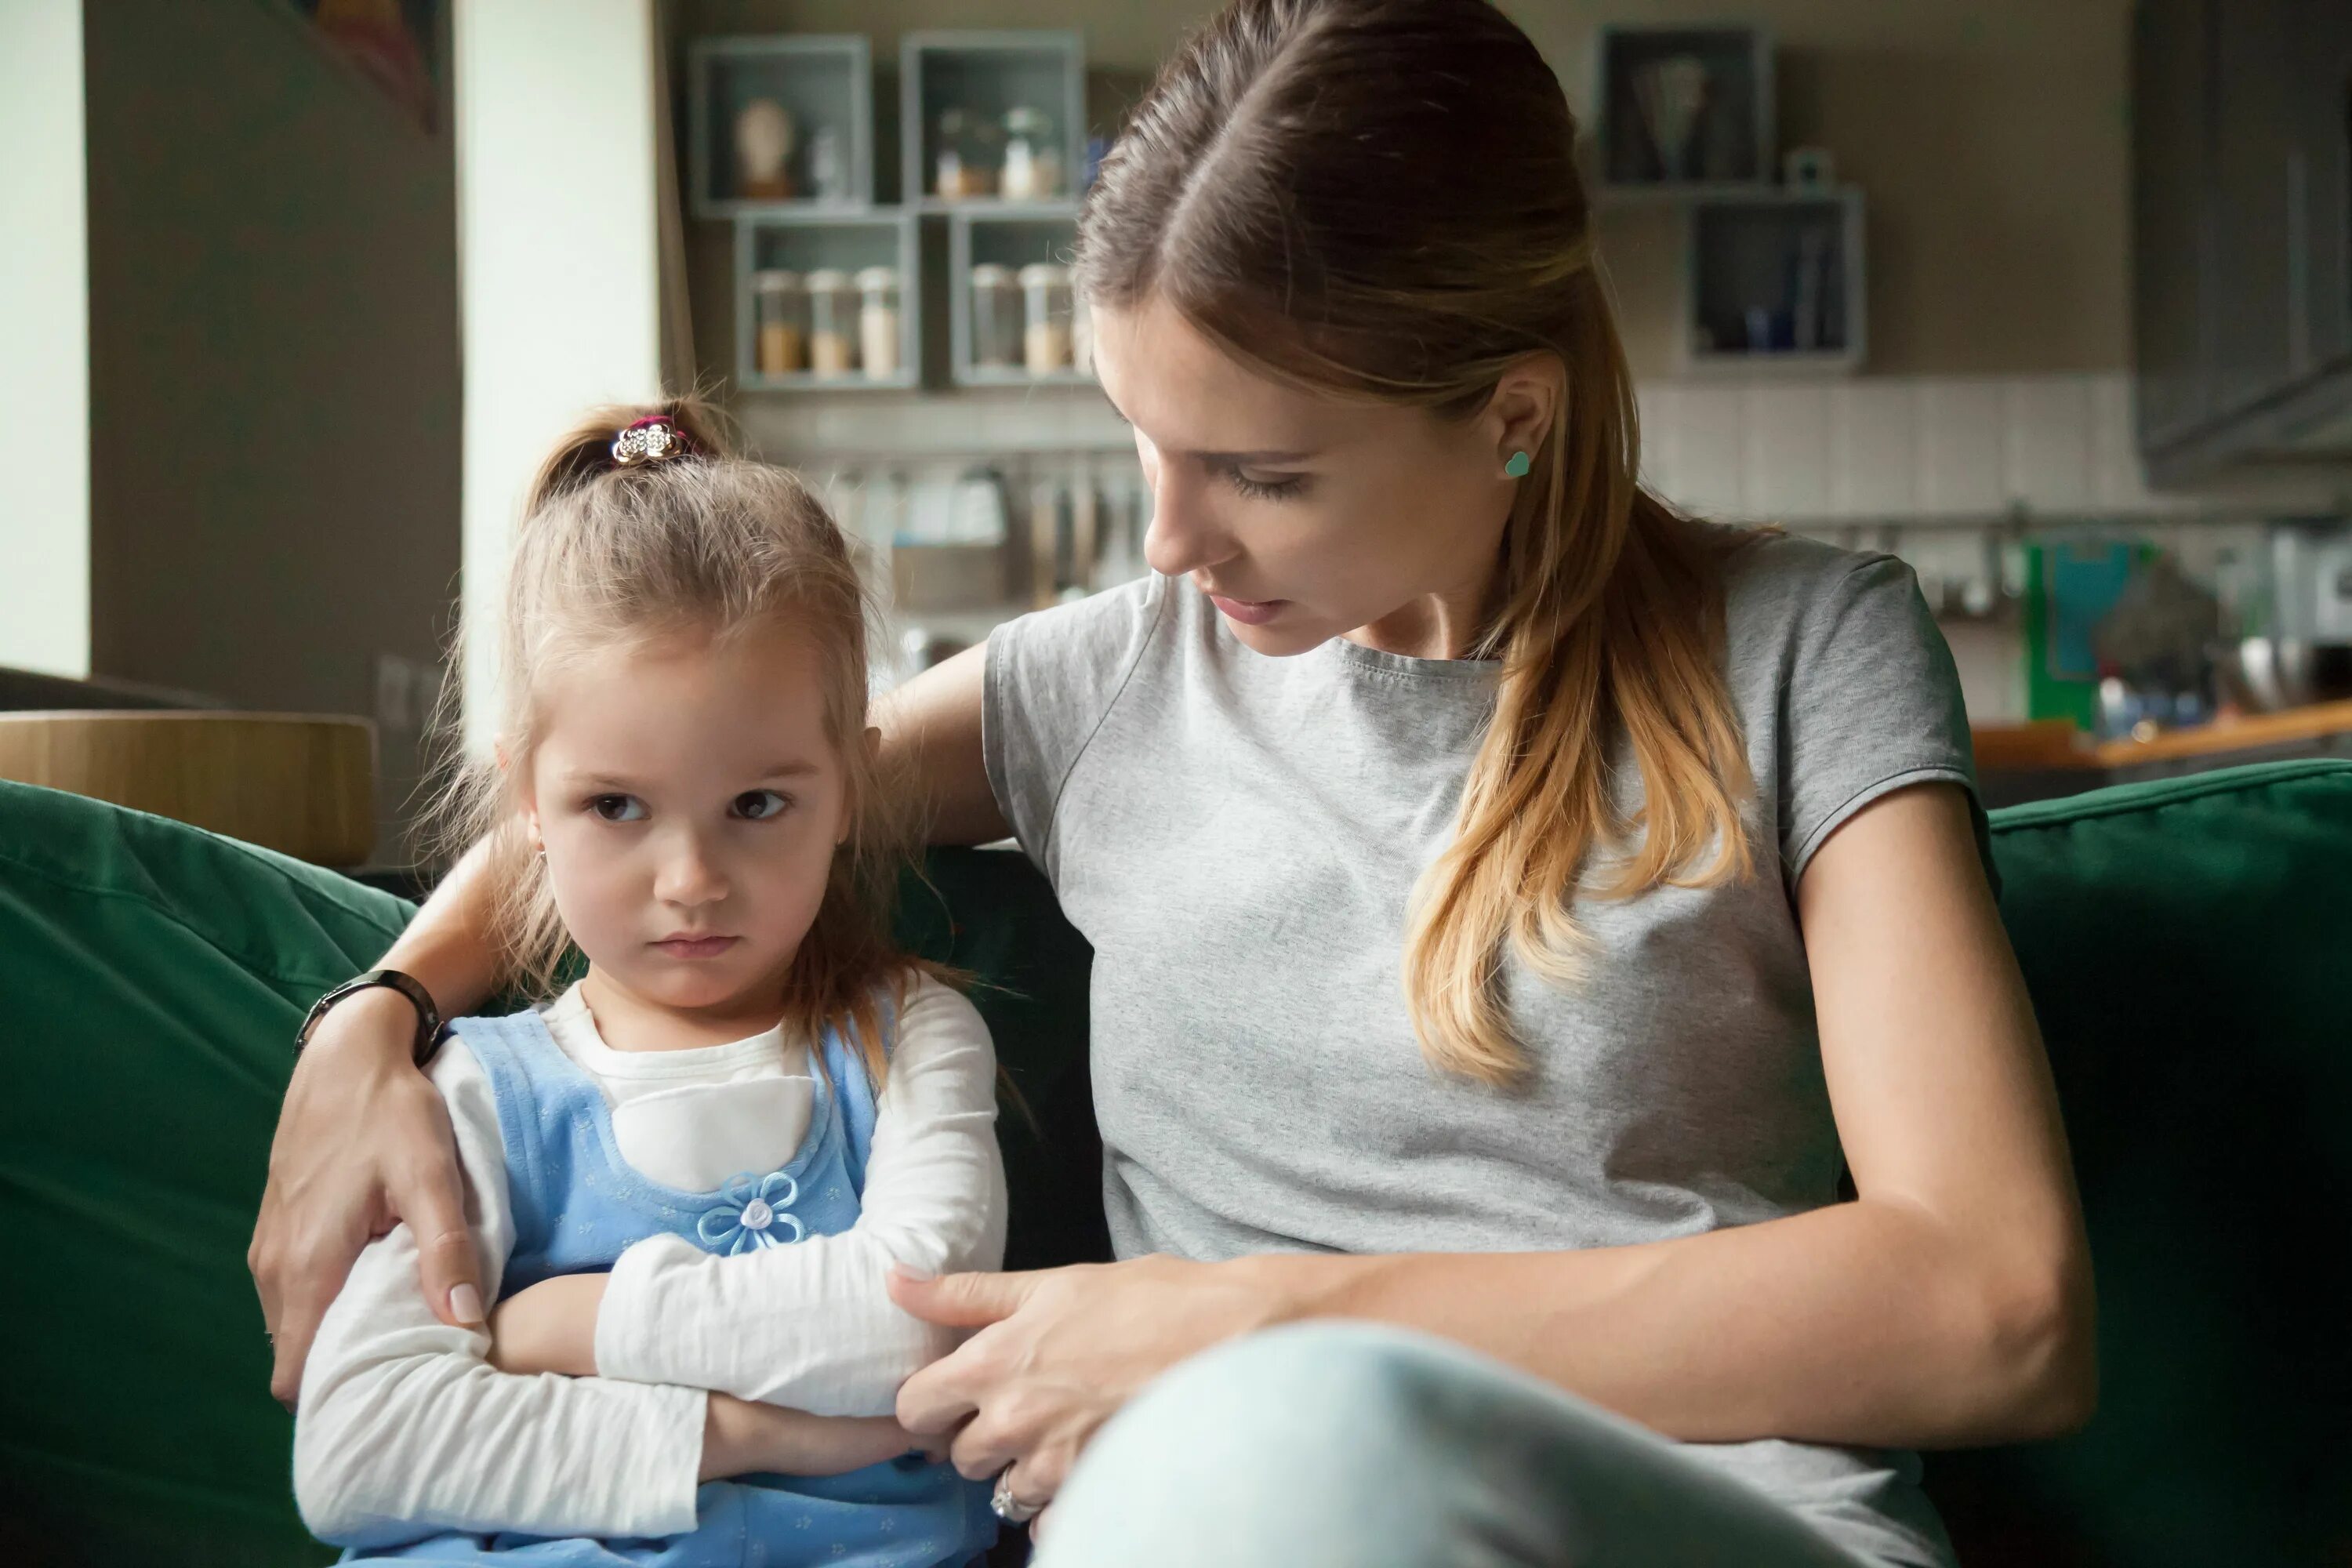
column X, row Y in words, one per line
column 1262, row 489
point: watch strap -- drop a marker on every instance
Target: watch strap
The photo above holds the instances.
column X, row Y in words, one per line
column 430, row 1030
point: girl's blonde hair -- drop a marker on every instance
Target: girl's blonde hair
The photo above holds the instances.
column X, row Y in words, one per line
column 705, row 545
column 1380, row 199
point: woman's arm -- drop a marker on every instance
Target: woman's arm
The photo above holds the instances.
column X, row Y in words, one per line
column 810, row 1325
column 932, row 746
column 363, row 1143
column 1950, row 1304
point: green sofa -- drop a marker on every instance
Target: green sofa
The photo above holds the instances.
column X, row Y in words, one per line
column 2188, row 944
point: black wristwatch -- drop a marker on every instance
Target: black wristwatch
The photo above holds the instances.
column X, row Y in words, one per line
column 430, row 1030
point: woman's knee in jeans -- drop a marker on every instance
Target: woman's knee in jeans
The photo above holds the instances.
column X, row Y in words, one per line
column 1314, row 1442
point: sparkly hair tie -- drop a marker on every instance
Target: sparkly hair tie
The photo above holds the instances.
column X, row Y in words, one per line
column 650, row 440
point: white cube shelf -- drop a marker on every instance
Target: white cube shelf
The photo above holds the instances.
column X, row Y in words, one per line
column 821, row 81
column 805, row 242
column 1012, row 235
column 1788, row 262
column 986, row 75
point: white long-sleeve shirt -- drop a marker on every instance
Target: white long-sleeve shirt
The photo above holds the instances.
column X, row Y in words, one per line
column 405, row 1428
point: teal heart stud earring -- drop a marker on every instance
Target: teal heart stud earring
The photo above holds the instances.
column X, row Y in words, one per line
column 1518, row 465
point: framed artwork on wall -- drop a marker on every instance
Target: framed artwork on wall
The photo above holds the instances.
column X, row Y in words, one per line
column 396, row 44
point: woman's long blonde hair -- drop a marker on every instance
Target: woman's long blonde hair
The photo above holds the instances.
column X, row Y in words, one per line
column 708, row 545
column 1379, row 199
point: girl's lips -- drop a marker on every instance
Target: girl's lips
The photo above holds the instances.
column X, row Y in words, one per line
column 1249, row 612
column 696, row 946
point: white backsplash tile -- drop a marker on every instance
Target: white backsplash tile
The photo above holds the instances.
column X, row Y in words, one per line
column 1962, row 466
column 1787, row 455
column 1874, row 448
column 2047, row 441
column 1711, row 452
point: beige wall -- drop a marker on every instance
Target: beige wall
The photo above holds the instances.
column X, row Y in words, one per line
column 1992, row 138
column 274, row 370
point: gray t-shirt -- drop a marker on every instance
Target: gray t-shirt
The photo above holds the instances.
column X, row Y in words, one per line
column 1238, row 836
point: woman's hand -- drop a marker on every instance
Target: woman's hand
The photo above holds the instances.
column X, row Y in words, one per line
column 1060, row 1351
column 550, row 1327
column 739, row 1438
column 362, row 1143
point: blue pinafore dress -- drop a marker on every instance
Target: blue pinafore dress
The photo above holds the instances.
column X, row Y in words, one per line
column 578, row 1205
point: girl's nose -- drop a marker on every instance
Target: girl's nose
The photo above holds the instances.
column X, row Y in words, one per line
column 690, row 873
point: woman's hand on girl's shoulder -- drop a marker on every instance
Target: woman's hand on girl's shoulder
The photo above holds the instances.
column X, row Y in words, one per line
column 363, row 1142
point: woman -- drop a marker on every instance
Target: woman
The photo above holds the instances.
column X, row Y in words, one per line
column 1515, row 907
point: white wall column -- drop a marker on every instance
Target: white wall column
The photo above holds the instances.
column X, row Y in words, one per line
column 44, row 342
column 558, row 252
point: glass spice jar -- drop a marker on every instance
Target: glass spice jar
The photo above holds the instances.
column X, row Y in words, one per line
column 996, row 317
column 877, row 321
column 832, row 327
column 1046, row 345
column 781, row 312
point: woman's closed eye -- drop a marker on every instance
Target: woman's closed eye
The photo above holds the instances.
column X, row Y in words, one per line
column 760, row 804
column 617, row 807
column 1267, row 487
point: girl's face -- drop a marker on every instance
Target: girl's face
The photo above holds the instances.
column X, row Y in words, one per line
column 690, row 803
column 1304, row 517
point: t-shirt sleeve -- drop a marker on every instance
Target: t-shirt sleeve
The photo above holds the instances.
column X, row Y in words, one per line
column 1873, row 705
column 1052, row 677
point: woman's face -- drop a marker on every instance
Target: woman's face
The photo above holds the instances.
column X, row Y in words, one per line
column 1305, row 517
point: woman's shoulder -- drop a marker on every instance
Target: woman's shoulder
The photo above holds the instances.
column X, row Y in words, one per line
column 1802, row 607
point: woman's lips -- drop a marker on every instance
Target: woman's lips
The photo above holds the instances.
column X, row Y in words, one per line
column 1249, row 612
column 696, row 946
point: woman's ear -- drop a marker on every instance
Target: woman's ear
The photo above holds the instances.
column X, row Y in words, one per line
column 1520, row 413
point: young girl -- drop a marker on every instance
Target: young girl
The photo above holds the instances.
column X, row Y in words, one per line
column 749, row 1092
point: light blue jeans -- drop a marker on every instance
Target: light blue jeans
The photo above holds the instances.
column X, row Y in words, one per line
column 1360, row 1446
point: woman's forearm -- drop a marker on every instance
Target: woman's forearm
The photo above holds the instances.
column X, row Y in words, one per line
column 1863, row 1323
column 448, row 947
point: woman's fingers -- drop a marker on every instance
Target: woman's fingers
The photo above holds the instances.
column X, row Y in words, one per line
column 961, row 1300
column 943, row 1394
column 430, row 1195
column 362, row 1141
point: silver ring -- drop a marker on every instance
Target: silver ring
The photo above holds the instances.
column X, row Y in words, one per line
column 1008, row 1507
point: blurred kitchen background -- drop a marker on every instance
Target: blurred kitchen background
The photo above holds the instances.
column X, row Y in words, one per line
column 2054, row 301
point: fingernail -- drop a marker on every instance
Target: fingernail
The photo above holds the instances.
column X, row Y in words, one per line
column 466, row 1302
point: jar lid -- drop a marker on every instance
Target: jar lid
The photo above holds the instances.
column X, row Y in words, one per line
column 1023, row 120
column 1048, row 273
column 878, row 278
column 775, row 277
column 989, row 275
column 827, row 279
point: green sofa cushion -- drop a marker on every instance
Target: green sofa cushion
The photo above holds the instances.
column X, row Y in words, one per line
column 2185, row 942
column 150, row 979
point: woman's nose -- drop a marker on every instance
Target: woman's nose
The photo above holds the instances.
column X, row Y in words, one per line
column 690, row 873
column 1184, row 536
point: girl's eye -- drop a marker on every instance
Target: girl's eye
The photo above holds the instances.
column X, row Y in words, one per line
column 759, row 805
column 1267, row 489
column 617, row 807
